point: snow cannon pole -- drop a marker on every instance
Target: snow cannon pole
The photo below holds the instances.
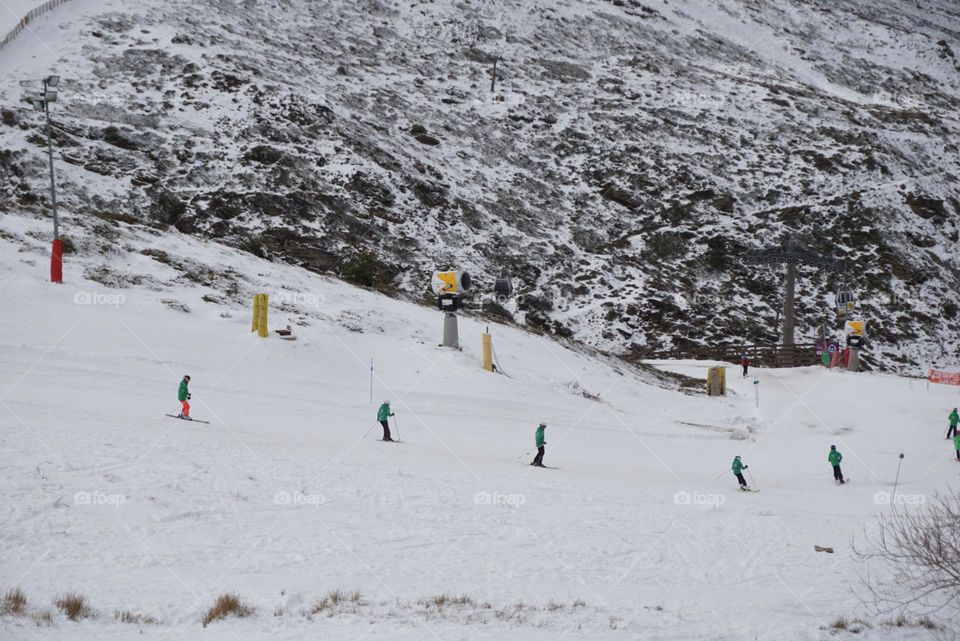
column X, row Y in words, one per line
column 897, row 480
column 56, row 261
column 752, row 481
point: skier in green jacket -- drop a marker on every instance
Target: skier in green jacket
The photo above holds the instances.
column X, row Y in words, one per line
column 956, row 445
column 835, row 457
column 954, row 419
column 539, row 439
column 382, row 415
column 183, row 395
column 738, row 468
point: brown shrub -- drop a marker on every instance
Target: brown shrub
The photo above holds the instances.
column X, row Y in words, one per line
column 226, row 605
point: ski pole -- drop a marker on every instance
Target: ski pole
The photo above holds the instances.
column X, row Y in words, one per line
column 368, row 431
column 396, row 425
column 897, row 480
column 751, row 479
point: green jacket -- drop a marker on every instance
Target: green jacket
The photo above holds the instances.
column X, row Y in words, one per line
column 834, row 457
column 183, row 392
column 956, row 442
column 384, row 412
column 738, row 466
column 954, row 418
column 540, row 441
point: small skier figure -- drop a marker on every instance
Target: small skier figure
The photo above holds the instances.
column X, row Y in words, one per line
column 745, row 364
column 183, row 395
column 835, row 457
column 538, row 459
column 954, row 419
column 738, row 468
column 383, row 415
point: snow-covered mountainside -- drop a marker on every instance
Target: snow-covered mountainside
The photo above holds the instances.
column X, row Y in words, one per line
column 286, row 496
column 628, row 153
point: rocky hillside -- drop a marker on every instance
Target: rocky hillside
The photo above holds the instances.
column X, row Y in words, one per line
column 626, row 155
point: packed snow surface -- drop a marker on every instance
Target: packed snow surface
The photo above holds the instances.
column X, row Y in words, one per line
column 287, row 494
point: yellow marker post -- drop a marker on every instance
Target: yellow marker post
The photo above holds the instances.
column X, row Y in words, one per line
column 262, row 323
column 487, row 352
column 256, row 313
column 717, row 381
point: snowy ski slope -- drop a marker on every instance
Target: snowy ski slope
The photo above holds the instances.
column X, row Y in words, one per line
column 640, row 534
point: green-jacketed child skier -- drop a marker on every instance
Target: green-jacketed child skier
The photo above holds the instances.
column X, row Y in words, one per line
column 738, row 468
column 540, row 442
column 835, row 457
column 383, row 414
column 183, row 395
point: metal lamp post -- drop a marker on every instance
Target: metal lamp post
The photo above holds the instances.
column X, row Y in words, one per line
column 42, row 102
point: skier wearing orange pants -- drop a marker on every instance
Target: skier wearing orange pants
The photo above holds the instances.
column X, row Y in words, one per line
column 183, row 395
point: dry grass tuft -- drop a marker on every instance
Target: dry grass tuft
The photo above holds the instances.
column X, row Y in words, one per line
column 43, row 618
column 441, row 601
column 74, row 606
column 14, row 602
column 855, row 626
column 840, row 623
column 226, row 605
column 126, row 616
column 334, row 599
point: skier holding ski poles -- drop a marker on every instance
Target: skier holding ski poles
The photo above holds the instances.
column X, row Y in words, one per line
column 183, row 395
column 835, row 457
column 745, row 364
column 383, row 415
column 540, row 442
column 954, row 419
column 738, row 468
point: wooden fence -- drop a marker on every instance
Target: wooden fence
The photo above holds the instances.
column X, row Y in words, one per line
column 760, row 355
column 34, row 13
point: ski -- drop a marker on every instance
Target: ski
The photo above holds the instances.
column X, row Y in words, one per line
column 546, row 467
column 194, row 420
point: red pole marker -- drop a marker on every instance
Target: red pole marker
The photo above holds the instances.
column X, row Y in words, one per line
column 56, row 262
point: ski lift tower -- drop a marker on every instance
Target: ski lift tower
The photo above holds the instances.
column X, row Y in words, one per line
column 790, row 255
column 449, row 286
